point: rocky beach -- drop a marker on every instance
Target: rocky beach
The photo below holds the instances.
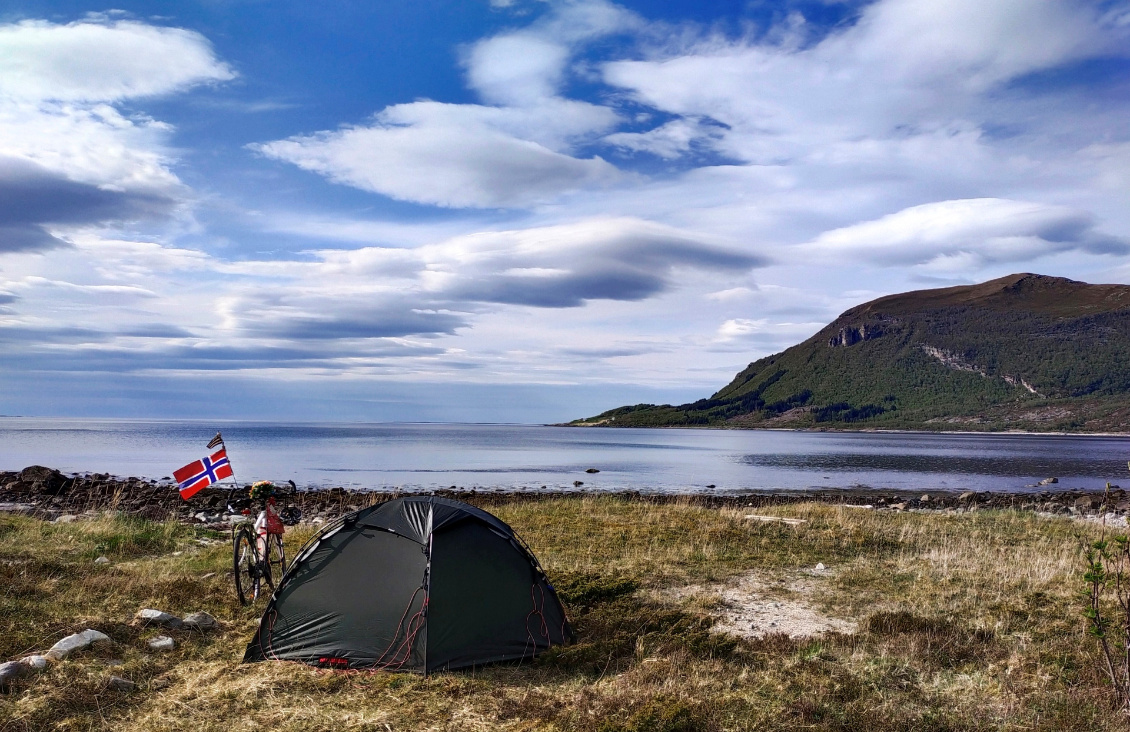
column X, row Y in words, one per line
column 49, row 494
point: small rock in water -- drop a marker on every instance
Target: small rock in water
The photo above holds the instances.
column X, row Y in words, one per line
column 592, row 470
column 117, row 683
column 1048, row 481
column 101, row 560
column 820, row 567
column 162, row 643
column 578, row 483
column 711, row 486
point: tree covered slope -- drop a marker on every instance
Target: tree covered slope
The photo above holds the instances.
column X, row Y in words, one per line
column 1026, row 352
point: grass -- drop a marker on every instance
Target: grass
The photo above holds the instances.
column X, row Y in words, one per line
column 966, row 622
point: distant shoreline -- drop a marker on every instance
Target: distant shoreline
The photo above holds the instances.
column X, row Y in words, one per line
column 874, row 430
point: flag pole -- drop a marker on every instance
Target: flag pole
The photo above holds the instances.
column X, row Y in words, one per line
column 218, row 440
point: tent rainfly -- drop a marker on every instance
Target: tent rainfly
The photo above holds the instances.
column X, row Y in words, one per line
column 419, row 583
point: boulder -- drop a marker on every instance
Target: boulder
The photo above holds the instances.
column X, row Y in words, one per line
column 592, row 470
column 925, row 498
column 898, row 506
column 42, row 479
column 11, row 671
column 147, row 617
column 76, row 642
column 101, row 560
column 1048, row 481
column 968, row 496
column 201, row 621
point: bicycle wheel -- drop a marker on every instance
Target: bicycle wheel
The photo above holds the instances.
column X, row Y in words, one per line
column 245, row 563
column 276, row 555
column 270, row 564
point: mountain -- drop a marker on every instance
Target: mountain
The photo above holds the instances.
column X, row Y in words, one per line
column 1024, row 352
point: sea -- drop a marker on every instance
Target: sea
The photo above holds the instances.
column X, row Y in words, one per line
column 509, row 457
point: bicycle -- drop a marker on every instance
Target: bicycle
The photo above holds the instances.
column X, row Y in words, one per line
column 258, row 554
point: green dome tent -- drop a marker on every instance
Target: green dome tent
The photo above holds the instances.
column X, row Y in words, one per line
column 419, row 583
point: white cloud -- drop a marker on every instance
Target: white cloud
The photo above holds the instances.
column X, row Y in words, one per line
column 517, row 69
column 458, row 155
column 554, row 266
column 739, row 327
column 963, row 235
column 102, row 62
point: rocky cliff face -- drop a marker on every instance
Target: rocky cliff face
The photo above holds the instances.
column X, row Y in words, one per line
column 854, row 334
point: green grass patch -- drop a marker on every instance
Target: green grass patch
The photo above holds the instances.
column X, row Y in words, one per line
column 965, row 622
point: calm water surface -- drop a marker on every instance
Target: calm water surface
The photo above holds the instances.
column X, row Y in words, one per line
column 427, row 456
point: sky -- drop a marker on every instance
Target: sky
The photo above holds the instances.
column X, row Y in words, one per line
column 521, row 210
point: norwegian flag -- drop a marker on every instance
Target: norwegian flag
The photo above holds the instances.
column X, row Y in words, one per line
column 202, row 473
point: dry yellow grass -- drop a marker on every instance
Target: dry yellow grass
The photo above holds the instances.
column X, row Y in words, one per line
column 967, row 622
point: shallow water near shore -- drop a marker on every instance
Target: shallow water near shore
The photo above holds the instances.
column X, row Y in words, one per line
column 513, row 457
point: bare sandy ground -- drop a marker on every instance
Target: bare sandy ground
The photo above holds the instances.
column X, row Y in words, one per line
column 752, row 605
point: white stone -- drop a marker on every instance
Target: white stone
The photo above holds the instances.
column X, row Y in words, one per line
column 820, row 567
column 162, row 643
column 101, row 560
column 66, row 518
column 148, row 616
column 76, row 642
column 35, row 662
column 200, row 621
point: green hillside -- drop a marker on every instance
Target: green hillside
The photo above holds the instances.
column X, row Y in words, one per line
column 1025, row 352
